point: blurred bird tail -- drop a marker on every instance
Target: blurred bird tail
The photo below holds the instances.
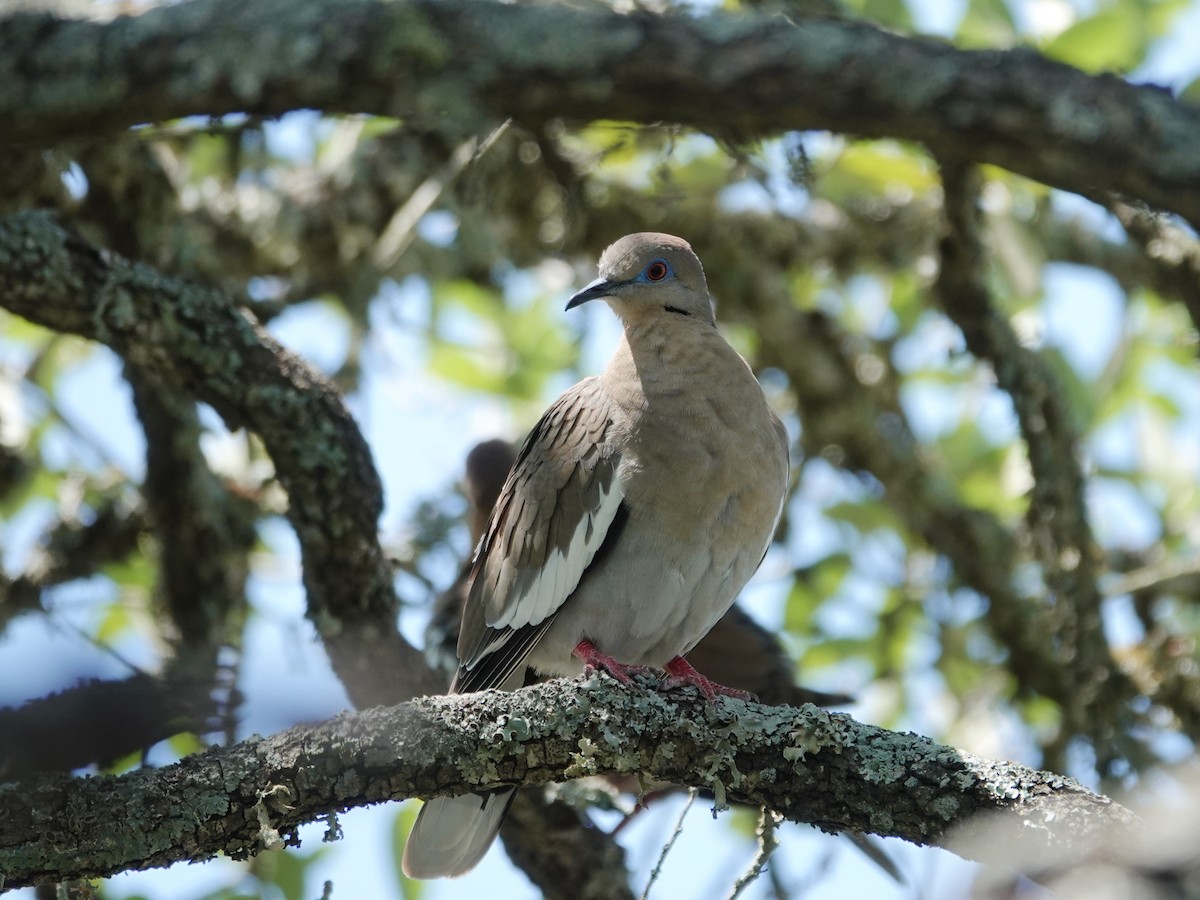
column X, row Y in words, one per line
column 452, row 834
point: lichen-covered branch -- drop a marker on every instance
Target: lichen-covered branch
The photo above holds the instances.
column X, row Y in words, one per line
column 475, row 63
column 196, row 340
column 199, row 342
column 1057, row 514
column 807, row 764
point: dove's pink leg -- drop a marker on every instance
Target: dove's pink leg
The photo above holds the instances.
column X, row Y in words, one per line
column 682, row 673
column 593, row 659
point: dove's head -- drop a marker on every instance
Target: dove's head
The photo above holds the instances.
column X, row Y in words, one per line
column 645, row 276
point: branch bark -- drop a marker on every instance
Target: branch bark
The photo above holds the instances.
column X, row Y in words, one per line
column 475, row 63
column 808, row 764
column 197, row 340
column 1057, row 513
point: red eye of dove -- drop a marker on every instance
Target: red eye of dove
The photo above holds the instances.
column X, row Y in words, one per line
column 657, row 271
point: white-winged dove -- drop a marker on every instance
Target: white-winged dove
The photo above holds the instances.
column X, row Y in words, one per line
column 637, row 509
column 738, row 652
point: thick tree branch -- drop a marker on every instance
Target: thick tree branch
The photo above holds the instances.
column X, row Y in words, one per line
column 1057, row 513
column 480, row 62
column 810, row 765
column 196, row 340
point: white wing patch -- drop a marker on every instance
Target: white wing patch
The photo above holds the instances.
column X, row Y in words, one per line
column 536, row 598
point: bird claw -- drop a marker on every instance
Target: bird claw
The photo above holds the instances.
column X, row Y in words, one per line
column 681, row 674
column 594, row 660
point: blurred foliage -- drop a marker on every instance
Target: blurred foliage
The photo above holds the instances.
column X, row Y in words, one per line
column 286, row 215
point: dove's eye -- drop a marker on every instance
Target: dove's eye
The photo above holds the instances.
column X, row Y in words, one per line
column 657, row 270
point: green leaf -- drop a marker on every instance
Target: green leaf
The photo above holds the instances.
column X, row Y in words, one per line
column 287, row 870
column 1114, row 40
column 185, row 744
column 116, row 621
column 18, row 330
column 467, row 367
column 1191, row 93
column 812, row 588
column 410, row 889
column 208, row 156
column 832, row 651
column 874, row 167
column 1161, row 14
column 892, row 14
column 865, row 517
column 125, row 763
column 986, row 24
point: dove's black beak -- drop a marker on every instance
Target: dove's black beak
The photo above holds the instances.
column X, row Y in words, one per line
column 594, row 291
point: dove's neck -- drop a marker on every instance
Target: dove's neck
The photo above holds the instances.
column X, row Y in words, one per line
column 673, row 364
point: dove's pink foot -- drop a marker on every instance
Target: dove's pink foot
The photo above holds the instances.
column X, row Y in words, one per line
column 593, row 659
column 681, row 674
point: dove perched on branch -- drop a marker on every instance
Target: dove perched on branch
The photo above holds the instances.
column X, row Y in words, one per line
column 636, row 510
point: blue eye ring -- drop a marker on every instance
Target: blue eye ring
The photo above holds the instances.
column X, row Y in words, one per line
column 657, row 270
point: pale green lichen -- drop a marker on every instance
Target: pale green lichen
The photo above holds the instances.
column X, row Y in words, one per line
column 946, row 807
column 720, row 800
column 275, row 798
column 804, row 740
column 515, row 728
column 583, row 763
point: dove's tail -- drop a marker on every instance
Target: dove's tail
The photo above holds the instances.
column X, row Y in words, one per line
column 452, row 834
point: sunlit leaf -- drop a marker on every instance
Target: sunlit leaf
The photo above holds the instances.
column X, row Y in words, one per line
column 876, row 167
column 1114, row 40
column 185, row 744
column 892, row 14
column 1191, row 92
column 115, row 622
column 831, row 651
column 986, row 23
column 1162, row 15
column 812, row 588
column 124, row 764
column 865, row 517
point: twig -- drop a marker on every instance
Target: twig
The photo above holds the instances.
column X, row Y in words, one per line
column 662, row 856
column 768, row 841
column 402, row 228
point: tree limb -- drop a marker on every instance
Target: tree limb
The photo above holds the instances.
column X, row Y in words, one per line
column 476, row 63
column 1057, row 512
column 195, row 339
column 101, row 721
column 808, row 764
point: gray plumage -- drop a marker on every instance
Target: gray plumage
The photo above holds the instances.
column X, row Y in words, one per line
column 637, row 509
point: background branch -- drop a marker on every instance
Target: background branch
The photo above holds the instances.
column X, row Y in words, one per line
column 199, row 342
column 1057, row 515
column 486, row 62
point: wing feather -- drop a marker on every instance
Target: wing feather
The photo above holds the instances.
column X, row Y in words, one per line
column 554, row 512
